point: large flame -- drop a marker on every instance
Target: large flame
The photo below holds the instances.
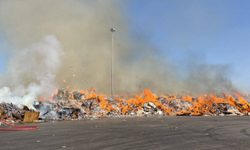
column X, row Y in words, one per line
column 203, row 104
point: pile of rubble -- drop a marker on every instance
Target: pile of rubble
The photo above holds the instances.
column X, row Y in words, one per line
column 13, row 114
column 78, row 105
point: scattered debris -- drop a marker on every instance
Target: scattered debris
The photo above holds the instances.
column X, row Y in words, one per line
column 139, row 112
column 81, row 105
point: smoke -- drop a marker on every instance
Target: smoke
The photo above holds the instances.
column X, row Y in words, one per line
column 209, row 79
column 37, row 65
column 83, row 29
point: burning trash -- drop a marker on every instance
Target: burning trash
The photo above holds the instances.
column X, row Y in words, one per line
column 78, row 105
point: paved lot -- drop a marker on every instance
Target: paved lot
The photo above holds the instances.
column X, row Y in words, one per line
column 155, row 133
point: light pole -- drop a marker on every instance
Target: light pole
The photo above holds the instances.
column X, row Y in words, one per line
column 112, row 60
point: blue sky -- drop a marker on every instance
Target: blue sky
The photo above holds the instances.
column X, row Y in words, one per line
column 215, row 32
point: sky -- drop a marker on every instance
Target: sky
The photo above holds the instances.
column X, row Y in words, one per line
column 215, row 32
column 3, row 59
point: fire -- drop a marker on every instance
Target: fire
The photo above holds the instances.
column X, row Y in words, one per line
column 187, row 98
column 51, row 97
column 185, row 104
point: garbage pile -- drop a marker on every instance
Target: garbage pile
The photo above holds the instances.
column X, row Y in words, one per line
column 78, row 105
column 11, row 113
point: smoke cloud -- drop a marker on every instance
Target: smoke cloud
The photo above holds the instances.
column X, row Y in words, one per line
column 37, row 65
column 83, row 29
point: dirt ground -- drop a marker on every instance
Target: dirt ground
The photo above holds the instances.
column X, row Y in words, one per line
column 155, row 133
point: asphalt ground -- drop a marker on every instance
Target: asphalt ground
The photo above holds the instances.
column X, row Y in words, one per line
column 154, row 133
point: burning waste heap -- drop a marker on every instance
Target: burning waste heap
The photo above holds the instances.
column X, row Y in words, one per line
column 39, row 66
column 78, row 105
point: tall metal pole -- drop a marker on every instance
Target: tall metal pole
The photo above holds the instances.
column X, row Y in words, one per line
column 112, row 61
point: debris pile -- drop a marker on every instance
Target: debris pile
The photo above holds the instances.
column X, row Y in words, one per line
column 13, row 114
column 77, row 105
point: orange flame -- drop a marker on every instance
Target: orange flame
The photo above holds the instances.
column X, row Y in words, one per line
column 201, row 105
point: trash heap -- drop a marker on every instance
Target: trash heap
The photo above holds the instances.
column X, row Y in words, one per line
column 11, row 113
column 78, row 105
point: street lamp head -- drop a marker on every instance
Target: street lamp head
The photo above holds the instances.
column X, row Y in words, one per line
column 112, row 29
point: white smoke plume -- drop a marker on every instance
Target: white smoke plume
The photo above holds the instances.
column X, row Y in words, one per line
column 38, row 64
